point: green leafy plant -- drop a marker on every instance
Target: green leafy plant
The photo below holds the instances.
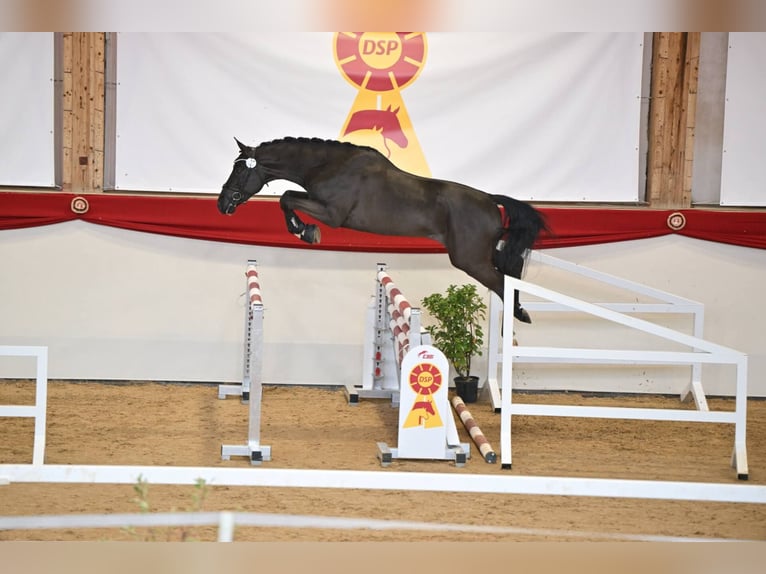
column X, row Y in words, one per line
column 141, row 490
column 458, row 333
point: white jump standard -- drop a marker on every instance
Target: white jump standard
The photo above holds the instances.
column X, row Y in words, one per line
column 389, row 322
column 414, row 375
column 251, row 389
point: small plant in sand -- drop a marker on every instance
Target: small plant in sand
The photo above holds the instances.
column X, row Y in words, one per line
column 168, row 534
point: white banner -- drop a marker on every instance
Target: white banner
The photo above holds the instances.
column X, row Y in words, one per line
column 26, row 109
column 544, row 117
column 744, row 132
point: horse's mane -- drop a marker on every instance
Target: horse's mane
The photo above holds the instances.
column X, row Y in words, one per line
column 280, row 158
column 306, row 141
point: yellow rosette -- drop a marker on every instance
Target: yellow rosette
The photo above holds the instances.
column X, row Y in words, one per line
column 425, row 379
column 379, row 65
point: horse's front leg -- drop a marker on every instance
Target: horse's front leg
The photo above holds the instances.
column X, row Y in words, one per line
column 333, row 215
column 309, row 233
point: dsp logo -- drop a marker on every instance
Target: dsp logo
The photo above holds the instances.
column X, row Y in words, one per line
column 379, row 65
column 380, row 47
column 425, row 379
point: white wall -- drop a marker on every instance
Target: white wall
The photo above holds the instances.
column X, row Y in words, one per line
column 744, row 131
column 709, row 118
column 115, row 304
column 27, row 109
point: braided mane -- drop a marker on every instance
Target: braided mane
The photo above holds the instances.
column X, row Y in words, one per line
column 291, row 157
column 314, row 141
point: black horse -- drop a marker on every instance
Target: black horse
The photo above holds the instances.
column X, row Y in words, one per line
column 357, row 187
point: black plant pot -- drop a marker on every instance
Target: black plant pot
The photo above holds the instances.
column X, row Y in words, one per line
column 467, row 388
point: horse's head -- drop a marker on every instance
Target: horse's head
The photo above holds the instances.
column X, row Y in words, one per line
column 246, row 180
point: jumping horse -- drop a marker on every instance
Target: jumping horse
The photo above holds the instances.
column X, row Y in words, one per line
column 357, row 187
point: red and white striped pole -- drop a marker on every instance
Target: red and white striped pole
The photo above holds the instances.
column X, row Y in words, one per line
column 400, row 311
column 253, row 286
column 473, row 429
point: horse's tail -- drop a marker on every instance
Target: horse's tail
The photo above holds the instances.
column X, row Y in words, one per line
column 522, row 224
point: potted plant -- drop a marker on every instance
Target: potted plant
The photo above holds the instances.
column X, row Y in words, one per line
column 458, row 333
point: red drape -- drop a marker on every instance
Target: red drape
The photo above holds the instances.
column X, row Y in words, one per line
column 260, row 222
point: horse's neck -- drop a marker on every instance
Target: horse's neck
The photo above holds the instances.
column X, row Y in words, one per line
column 294, row 160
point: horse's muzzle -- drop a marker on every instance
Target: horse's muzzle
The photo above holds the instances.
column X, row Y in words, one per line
column 225, row 205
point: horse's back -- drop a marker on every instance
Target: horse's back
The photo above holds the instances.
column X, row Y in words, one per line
column 370, row 193
column 395, row 202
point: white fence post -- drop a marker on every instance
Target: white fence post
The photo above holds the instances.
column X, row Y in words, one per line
column 38, row 410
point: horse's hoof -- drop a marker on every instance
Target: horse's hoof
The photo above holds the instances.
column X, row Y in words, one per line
column 522, row 315
column 311, row 234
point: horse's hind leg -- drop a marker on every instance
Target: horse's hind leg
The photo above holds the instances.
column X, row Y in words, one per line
column 475, row 259
column 478, row 265
column 495, row 281
column 518, row 311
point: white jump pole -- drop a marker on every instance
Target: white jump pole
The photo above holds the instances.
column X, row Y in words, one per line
column 450, row 482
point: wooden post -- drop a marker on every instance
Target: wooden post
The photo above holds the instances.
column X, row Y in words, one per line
column 83, row 107
column 675, row 69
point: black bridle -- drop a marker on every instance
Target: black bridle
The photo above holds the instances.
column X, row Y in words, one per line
column 237, row 195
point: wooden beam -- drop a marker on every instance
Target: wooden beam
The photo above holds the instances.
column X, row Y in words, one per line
column 675, row 69
column 691, row 80
column 83, row 107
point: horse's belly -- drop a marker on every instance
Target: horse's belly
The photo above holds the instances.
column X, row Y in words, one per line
column 401, row 223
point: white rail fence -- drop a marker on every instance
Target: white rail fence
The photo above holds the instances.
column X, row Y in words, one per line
column 39, row 409
column 504, row 354
column 384, row 480
column 227, row 522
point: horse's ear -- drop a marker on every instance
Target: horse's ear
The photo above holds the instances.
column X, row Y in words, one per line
column 242, row 147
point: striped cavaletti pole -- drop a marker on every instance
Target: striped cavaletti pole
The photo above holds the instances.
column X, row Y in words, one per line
column 473, row 429
column 400, row 310
column 253, row 287
column 401, row 331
